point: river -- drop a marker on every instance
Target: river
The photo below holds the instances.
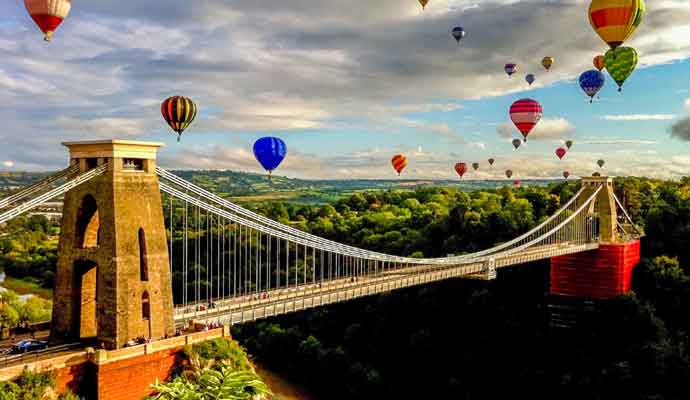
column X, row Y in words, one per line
column 282, row 388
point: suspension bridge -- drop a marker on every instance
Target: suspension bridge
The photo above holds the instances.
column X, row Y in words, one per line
column 143, row 252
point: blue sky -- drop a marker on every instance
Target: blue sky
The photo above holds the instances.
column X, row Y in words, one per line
column 346, row 87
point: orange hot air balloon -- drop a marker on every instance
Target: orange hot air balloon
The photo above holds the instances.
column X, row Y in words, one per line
column 423, row 3
column 615, row 20
column 399, row 163
column 599, row 62
column 461, row 168
column 547, row 62
column 48, row 14
column 560, row 152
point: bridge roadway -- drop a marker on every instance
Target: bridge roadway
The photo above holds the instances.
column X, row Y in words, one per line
column 274, row 302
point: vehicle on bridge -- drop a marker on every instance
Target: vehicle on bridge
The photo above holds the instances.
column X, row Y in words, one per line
column 28, row 345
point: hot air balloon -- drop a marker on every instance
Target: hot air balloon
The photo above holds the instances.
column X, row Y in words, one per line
column 525, row 114
column 423, row 3
column 599, row 62
column 399, row 163
column 509, row 174
column 615, row 20
column 270, row 152
column 547, row 62
column 510, row 69
column 48, row 14
column 620, row 63
column 179, row 112
column 517, row 143
column 461, row 168
column 491, row 162
column 530, row 78
column 601, row 163
column 566, row 174
column 560, row 152
column 568, row 144
column 458, row 33
column 475, row 166
column 517, row 184
column 591, row 82
column 596, row 174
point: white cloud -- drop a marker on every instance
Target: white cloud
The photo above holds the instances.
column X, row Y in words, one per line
column 476, row 145
column 687, row 104
column 639, row 117
column 8, row 164
column 546, row 129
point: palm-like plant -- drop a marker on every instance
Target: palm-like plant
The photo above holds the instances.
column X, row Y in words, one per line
column 214, row 384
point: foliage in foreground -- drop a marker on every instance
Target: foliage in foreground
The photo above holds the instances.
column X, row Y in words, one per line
column 218, row 383
column 29, row 386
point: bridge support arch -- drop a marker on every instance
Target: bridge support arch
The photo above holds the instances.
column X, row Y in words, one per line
column 100, row 287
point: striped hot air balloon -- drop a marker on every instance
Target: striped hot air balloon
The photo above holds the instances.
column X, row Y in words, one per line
column 179, row 112
column 399, row 163
column 599, row 62
column 615, row 20
column 525, row 114
column 48, row 14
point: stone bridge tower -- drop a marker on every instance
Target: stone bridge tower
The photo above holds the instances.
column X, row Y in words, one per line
column 113, row 280
column 607, row 271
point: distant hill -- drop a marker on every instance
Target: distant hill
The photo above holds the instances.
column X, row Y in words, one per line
column 248, row 187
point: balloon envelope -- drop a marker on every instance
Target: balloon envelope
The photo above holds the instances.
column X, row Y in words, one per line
column 475, row 166
column 599, row 62
column 510, row 68
column 270, row 152
column 517, row 143
column 525, row 114
column 601, row 163
column 547, row 62
column 568, row 144
column 591, row 82
column 560, row 152
column 615, row 20
column 530, row 78
column 491, row 161
column 509, row 173
column 461, row 168
column 458, row 33
column 423, row 3
column 399, row 163
column 179, row 112
column 48, row 14
column 566, row 174
column 621, row 63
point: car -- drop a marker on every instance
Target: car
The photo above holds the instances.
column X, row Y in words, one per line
column 28, row 345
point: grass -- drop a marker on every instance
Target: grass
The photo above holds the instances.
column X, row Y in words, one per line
column 27, row 286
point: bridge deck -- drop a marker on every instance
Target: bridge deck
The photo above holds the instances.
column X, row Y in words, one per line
column 286, row 300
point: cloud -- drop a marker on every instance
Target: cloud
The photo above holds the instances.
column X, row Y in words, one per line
column 8, row 164
column 546, row 129
column 687, row 104
column 476, row 145
column 618, row 141
column 639, row 117
column 681, row 129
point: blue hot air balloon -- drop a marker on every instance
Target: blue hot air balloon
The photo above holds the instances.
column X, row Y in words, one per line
column 530, row 78
column 270, row 152
column 591, row 82
column 458, row 33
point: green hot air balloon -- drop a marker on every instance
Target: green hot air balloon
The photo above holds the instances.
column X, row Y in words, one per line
column 620, row 63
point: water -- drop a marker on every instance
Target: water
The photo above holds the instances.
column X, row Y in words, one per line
column 282, row 388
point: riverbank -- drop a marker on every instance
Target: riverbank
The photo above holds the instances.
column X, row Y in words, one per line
column 282, row 388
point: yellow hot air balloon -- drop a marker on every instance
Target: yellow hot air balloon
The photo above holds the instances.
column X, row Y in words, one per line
column 547, row 62
column 615, row 20
column 423, row 3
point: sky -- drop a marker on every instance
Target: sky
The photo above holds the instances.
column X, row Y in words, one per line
column 346, row 85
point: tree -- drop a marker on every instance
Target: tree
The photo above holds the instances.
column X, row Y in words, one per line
column 9, row 317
